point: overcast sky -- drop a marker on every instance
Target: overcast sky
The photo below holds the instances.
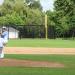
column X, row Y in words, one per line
column 46, row 4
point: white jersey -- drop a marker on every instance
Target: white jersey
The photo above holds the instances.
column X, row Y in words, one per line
column 1, row 42
column 5, row 36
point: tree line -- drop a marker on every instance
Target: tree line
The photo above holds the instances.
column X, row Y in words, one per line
column 21, row 12
column 29, row 12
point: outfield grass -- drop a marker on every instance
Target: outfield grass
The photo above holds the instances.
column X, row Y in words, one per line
column 68, row 60
column 58, row 43
column 36, row 71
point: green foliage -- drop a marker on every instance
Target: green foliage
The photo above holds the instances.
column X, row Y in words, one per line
column 34, row 4
column 65, row 12
column 34, row 17
column 19, row 13
column 14, row 19
column 29, row 12
column 51, row 18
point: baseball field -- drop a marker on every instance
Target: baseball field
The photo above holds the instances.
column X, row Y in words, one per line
column 39, row 57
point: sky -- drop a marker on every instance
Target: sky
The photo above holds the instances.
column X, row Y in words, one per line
column 46, row 4
column 1, row 1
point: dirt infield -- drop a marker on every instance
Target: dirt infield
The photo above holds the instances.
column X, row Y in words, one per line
column 31, row 50
column 29, row 63
column 38, row 50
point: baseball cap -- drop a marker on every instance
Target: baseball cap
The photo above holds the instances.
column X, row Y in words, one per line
column 3, row 27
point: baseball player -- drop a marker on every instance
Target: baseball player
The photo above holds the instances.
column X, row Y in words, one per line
column 4, row 37
column 5, row 34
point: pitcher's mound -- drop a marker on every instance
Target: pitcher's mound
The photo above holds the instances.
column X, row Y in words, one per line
column 29, row 63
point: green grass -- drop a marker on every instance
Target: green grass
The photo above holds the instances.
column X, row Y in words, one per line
column 35, row 71
column 58, row 43
column 68, row 60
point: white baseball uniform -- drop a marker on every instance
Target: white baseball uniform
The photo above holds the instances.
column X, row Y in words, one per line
column 1, row 47
column 4, row 38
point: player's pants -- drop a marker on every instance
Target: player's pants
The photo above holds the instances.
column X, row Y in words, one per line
column 1, row 53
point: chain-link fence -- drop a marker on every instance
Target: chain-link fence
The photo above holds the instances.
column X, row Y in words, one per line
column 38, row 31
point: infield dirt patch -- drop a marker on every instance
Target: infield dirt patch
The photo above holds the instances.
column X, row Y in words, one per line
column 32, row 50
column 29, row 63
column 38, row 50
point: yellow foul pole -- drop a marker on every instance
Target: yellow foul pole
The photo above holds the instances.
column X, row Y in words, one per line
column 46, row 30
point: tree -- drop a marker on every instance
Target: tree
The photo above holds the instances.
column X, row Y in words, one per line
column 13, row 19
column 34, row 4
column 3, row 21
column 51, row 17
column 34, row 17
column 18, row 11
column 65, row 10
column 11, row 6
